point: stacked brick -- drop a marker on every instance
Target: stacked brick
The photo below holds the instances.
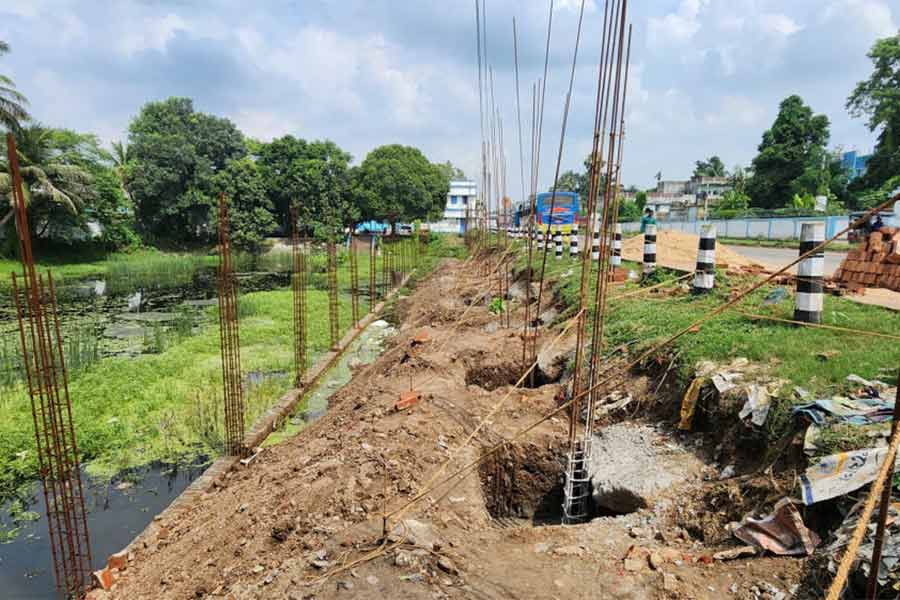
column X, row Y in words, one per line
column 876, row 263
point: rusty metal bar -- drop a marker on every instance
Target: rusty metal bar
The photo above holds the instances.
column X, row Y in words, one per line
column 354, row 281
column 298, row 286
column 54, row 428
column 333, row 311
column 372, row 256
column 229, row 338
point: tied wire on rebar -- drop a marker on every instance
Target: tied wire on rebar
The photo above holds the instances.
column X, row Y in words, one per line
column 229, row 334
column 333, row 313
column 354, row 281
column 54, row 428
column 298, row 288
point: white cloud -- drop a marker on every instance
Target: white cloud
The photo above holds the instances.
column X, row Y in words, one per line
column 677, row 27
column 152, row 33
column 874, row 15
column 736, row 110
column 777, row 23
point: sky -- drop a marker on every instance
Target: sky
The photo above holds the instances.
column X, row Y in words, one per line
column 706, row 76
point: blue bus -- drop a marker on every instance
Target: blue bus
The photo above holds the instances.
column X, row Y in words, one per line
column 565, row 211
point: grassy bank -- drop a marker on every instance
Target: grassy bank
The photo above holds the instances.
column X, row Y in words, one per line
column 818, row 360
column 165, row 407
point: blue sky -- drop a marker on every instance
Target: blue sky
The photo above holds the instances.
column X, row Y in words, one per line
column 706, row 76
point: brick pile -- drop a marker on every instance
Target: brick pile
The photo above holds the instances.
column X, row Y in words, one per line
column 876, row 263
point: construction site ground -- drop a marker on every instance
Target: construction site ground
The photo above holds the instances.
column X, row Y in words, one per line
column 304, row 519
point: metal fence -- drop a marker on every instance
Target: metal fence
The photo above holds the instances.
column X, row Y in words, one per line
column 781, row 228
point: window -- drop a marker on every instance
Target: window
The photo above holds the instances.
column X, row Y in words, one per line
column 453, row 199
column 465, row 200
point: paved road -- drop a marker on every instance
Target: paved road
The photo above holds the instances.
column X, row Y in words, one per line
column 775, row 258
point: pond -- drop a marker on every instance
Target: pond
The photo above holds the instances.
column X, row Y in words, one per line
column 117, row 512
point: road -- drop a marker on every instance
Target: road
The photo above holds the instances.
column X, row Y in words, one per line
column 775, row 258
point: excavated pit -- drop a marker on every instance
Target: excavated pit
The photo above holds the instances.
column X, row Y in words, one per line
column 524, row 482
column 493, row 376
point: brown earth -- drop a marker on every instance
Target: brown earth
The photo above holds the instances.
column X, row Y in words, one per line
column 678, row 250
column 304, row 519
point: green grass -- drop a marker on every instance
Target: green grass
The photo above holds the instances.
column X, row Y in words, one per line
column 164, row 407
column 793, row 352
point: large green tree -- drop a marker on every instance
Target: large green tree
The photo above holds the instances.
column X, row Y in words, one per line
column 53, row 165
column 397, row 183
column 878, row 98
column 250, row 209
column 313, row 175
column 176, row 153
column 712, row 167
column 12, row 102
column 792, row 149
column 452, row 172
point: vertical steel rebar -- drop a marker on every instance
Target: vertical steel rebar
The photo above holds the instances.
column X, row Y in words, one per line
column 354, row 281
column 229, row 338
column 372, row 291
column 883, row 509
column 54, row 427
column 298, row 286
column 333, row 311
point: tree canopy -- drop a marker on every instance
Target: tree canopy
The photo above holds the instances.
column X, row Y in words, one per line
column 712, row 167
column 177, row 153
column 398, row 183
column 250, row 209
column 313, row 175
column 12, row 102
column 878, row 98
column 792, row 156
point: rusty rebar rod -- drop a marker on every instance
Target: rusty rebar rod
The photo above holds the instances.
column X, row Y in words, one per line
column 372, row 256
column 54, row 428
column 298, row 285
column 884, row 506
column 333, row 311
column 354, row 281
column 229, row 337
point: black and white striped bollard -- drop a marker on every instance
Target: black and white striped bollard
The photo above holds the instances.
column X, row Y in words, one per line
column 540, row 239
column 649, row 248
column 705, row 274
column 558, row 242
column 616, row 259
column 573, row 241
column 810, row 273
column 595, row 241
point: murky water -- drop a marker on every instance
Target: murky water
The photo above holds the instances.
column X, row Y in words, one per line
column 117, row 512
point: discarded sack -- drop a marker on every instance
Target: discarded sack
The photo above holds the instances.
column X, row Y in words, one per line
column 839, row 474
column 782, row 532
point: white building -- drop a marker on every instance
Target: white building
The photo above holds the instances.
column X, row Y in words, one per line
column 461, row 196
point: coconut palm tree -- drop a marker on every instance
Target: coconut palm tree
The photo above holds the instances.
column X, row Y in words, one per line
column 50, row 176
column 12, row 102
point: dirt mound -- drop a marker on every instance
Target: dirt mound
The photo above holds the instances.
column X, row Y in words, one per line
column 678, row 250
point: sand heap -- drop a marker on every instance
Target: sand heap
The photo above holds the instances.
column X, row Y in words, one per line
column 678, row 250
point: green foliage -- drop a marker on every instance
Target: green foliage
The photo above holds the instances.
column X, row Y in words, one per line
column 451, row 172
column 250, row 209
column 12, row 102
column 176, row 153
column 630, row 211
column 804, row 202
column 397, row 183
column 713, row 167
column 733, row 204
column 315, row 176
column 878, row 97
column 640, row 199
column 496, row 305
column 791, row 155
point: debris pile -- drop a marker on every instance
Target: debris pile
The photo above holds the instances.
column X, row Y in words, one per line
column 678, row 250
column 876, row 263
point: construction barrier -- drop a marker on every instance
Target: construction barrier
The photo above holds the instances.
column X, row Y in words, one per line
column 705, row 275
column 810, row 275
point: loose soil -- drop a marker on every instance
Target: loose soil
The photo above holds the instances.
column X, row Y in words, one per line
column 678, row 250
column 304, row 519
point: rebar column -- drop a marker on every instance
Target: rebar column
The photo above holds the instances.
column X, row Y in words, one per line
column 372, row 290
column 298, row 285
column 333, row 313
column 51, row 407
column 229, row 336
column 354, row 281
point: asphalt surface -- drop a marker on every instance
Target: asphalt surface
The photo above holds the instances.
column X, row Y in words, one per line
column 775, row 258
